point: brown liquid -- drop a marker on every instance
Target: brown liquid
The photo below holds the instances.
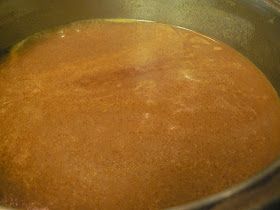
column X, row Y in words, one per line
column 135, row 115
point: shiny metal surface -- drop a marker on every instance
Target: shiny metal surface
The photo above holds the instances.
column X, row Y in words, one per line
column 250, row 26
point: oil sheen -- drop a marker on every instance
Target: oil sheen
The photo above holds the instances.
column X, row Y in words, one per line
column 115, row 114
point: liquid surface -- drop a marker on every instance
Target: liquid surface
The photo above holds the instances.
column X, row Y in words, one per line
column 130, row 115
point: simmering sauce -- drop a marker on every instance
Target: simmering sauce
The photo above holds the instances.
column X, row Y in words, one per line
column 130, row 115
